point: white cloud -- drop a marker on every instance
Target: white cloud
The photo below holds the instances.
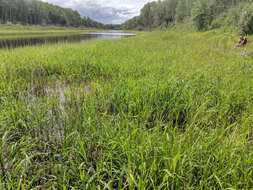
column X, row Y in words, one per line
column 106, row 11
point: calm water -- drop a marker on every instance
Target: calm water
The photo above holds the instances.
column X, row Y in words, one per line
column 21, row 42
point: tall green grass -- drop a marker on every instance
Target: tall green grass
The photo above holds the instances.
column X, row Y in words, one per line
column 20, row 31
column 163, row 110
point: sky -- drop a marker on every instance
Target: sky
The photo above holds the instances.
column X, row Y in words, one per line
column 105, row 11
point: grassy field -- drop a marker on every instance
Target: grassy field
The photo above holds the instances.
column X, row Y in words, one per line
column 19, row 31
column 163, row 110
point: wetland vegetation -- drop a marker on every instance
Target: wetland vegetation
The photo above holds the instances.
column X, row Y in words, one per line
column 169, row 109
column 162, row 110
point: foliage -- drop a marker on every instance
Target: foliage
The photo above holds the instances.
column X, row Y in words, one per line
column 34, row 12
column 182, row 11
column 246, row 20
column 201, row 14
column 163, row 110
column 205, row 14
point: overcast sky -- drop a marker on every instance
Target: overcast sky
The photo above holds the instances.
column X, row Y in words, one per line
column 106, row 11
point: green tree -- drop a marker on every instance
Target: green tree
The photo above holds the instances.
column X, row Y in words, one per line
column 246, row 20
column 201, row 15
column 181, row 10
column 40, row 13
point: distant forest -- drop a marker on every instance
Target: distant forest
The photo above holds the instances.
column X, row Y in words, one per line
column 202, row 14
column 34, row 12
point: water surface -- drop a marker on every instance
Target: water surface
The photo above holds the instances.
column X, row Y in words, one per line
column 29, row 41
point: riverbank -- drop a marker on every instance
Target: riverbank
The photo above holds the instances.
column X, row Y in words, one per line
column 162, row 110
column 21, row 31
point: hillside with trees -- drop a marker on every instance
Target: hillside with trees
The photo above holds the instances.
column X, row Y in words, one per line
column 34, row 12
column 202, row 14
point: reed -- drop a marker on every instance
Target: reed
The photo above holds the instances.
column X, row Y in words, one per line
column 163, row 110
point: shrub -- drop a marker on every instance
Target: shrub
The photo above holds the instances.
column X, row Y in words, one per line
column 200, row 15
column 246, row 20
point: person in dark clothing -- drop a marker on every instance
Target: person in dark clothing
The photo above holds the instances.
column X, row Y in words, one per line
column 242, row 42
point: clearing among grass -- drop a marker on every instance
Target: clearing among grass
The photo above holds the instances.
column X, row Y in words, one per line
column 163, row 110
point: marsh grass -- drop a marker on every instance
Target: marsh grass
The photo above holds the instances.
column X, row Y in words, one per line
column 163, row 110
column 17, row 31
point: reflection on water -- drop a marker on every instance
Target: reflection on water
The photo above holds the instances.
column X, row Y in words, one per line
column 21, row 42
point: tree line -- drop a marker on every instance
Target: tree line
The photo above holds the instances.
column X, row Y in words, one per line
column 202, row 14
column 34, row 12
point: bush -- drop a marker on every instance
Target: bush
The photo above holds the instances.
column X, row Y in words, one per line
column 246, row 20
column 201, row 15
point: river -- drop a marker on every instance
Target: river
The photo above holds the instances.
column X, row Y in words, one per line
column 68, row 38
